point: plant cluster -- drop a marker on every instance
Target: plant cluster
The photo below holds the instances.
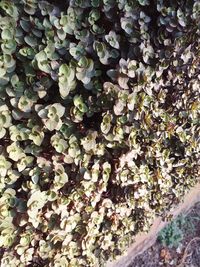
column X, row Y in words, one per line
column 173, row 234
column 99, row 124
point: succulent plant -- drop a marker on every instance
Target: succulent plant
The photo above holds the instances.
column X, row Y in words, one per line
column 113, row 39
column 5, row 120
column 99, row 124
column 67, row 81
column 51, row 116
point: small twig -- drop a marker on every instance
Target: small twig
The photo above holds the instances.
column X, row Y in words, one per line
column 185, row 254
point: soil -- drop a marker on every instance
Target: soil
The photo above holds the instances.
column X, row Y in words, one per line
column 187, row 254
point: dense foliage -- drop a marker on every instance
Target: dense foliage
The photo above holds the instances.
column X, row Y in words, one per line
column 99, row 124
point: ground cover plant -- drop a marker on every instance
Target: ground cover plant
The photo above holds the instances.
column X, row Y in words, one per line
column 99, row 124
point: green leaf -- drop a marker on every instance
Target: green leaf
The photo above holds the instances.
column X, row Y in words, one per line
column 26, row 25
column 2, row 132
column 25, row 104
column 6, row 34
column 42, row 62
column 60, row 110
column 67, row 80
column 2, row 72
